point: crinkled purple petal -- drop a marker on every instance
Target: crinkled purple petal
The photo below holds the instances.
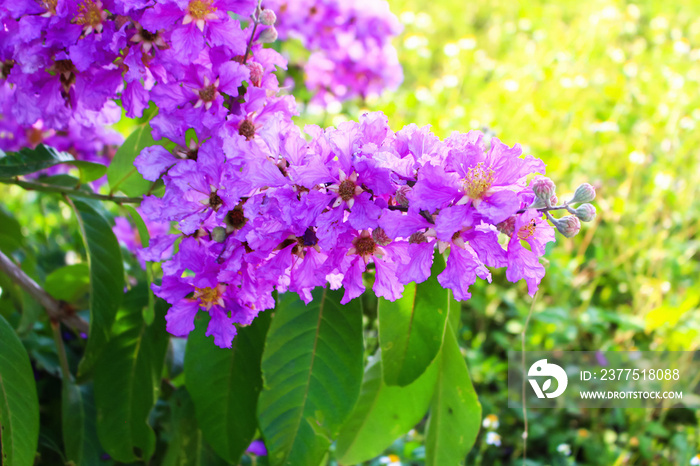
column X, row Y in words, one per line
column 498, row 206
column 180, row 317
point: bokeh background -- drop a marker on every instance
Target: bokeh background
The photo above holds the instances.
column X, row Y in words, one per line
column 607, row 93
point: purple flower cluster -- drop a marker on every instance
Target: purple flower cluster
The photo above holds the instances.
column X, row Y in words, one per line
column 58, row 76
column 275, row 211
column 93, row 142
column 62, row 63
column 350, row 40
column 259, row 205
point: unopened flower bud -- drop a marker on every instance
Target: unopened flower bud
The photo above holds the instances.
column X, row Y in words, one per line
column 584, row 193
column 417, row 238
column 507, row 227
column 380, row 237
column 543, row 187
column 268, row 35
column 268, row 17
column 541, row 203
column 568, row 226
column 218, row 234
column 256, row 73
column 401, row 195
column 585, row 212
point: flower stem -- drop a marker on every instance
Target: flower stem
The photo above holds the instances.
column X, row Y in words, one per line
column 256, row 21
column 36, row 186
column 545, row 209
column 61, row 349
column 57, row 311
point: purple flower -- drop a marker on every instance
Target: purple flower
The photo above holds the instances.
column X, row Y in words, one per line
column 523, row 263
column 351, row 43
column 257, row 447
column 197, row 21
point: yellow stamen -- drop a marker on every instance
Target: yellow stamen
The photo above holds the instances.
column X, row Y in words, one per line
column 528, row 230
column 478, row 180
column 50, row 6
column 90, row 14
column 209, row 297
column 199, row 9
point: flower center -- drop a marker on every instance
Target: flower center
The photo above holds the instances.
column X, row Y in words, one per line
column 215, row 201
column 148, row 36
column 208, row 93
column 35, row 136
column 236, row 218
column 6, row 68
column 417, row 238
column 200, row 9
column 365, row 246
column 66, row 71
column 247, row 129
column 90, row 14
column 507, row 226
column 209, row 297
column 64, row 66
column 50, row 6
column 346, row 190
column 528, row 230
column 478, row 180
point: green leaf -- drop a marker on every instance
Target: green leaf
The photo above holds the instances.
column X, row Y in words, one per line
column 383, row 413
column 32, row 312
column 225, row 385
column 312, row 371
column 64, row 180
column 141, row 227
column 19, row 405
column 79, row 422
column 68, row 283
column 90, row 171
column 411, row 328
column 106, row 278
column 32, row 160
column 186, row 446
column 455, row 411
column 11, row 237
column 127, row 380
column 144, row 237
column 121, row 173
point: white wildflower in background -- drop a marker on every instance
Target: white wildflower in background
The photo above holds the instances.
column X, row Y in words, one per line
column 492, row 438
column 490, row 422
column 391, row 460
column 564, row 449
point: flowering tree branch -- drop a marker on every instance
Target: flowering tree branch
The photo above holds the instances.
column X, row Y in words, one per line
column 58, row 311
column 544, row 209
column 256, row 21
column 37, row 186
